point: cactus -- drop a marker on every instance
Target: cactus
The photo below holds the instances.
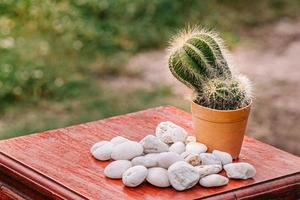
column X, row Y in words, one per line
column 197, row 59
column 223, row 94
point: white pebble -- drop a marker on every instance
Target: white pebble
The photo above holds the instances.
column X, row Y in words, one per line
column 213, row 180
column 118, row 140
column 190, row 139
column 177, row 147
column 224, row 157
column 102, row 150
column 168, row 132
column 146, row 161
column 152, row 144
column 134, row 176
column 209, row 159
column 166, row 159
column 193, row 159
column 240, row 170
column 196, row 147
column 127, row 150
column 205, row 170
column 182, row 175
column 96, row 145
column 185, row 154
column 116, row 168
column 152, row 156
column 158, row 176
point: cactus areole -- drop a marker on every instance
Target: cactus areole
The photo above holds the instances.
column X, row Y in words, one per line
column 222, row 99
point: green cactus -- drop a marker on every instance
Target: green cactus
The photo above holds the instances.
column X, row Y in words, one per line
column 223, row 94
column 197, row 60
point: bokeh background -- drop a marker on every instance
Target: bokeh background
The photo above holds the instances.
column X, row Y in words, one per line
column 72, row 61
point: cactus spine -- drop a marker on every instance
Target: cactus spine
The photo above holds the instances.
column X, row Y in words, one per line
column 197, row 60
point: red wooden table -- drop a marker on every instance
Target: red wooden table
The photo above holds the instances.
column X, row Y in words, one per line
column 57, row 164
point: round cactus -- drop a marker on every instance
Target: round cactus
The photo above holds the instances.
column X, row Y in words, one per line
column 197, row 60
column 223, row 94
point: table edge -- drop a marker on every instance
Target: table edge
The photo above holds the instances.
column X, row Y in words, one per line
column 257, row 188
column 43, row 182
column 26, row 173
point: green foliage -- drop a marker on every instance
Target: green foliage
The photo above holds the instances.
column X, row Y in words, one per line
column 197, row 60
column 44, row 44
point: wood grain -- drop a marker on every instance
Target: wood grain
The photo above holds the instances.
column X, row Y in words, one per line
column 58, row 163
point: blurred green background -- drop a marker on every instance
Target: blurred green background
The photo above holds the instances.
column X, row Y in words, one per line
column 57, row 56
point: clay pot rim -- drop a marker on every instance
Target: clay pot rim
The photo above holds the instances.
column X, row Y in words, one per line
column 223, row 111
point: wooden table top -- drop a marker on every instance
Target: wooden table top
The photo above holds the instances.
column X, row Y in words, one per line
column 59, row 163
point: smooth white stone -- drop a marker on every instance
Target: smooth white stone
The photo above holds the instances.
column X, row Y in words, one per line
column 158, row 176
column 102, row 150
column 168, row 132
column 193, row 159
column 146, row 161
column 214, row 180
column 185, row 154
column 190, row 139
column 177, row 147
column 127, row 150
column 182, row 175
column 225, row 157
column 166, row 159
column 209, row 159
column 96, row 145
column 240, row 170
column 196, row 147
column 118, row 140
column 116, row 169
column 134, row 176
column 152, row 144
column 152, row 156
column 205, row 170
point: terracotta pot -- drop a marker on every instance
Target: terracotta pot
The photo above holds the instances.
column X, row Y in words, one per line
column 223, row 130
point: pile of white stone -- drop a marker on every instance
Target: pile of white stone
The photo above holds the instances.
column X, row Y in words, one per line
column 169, row 158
